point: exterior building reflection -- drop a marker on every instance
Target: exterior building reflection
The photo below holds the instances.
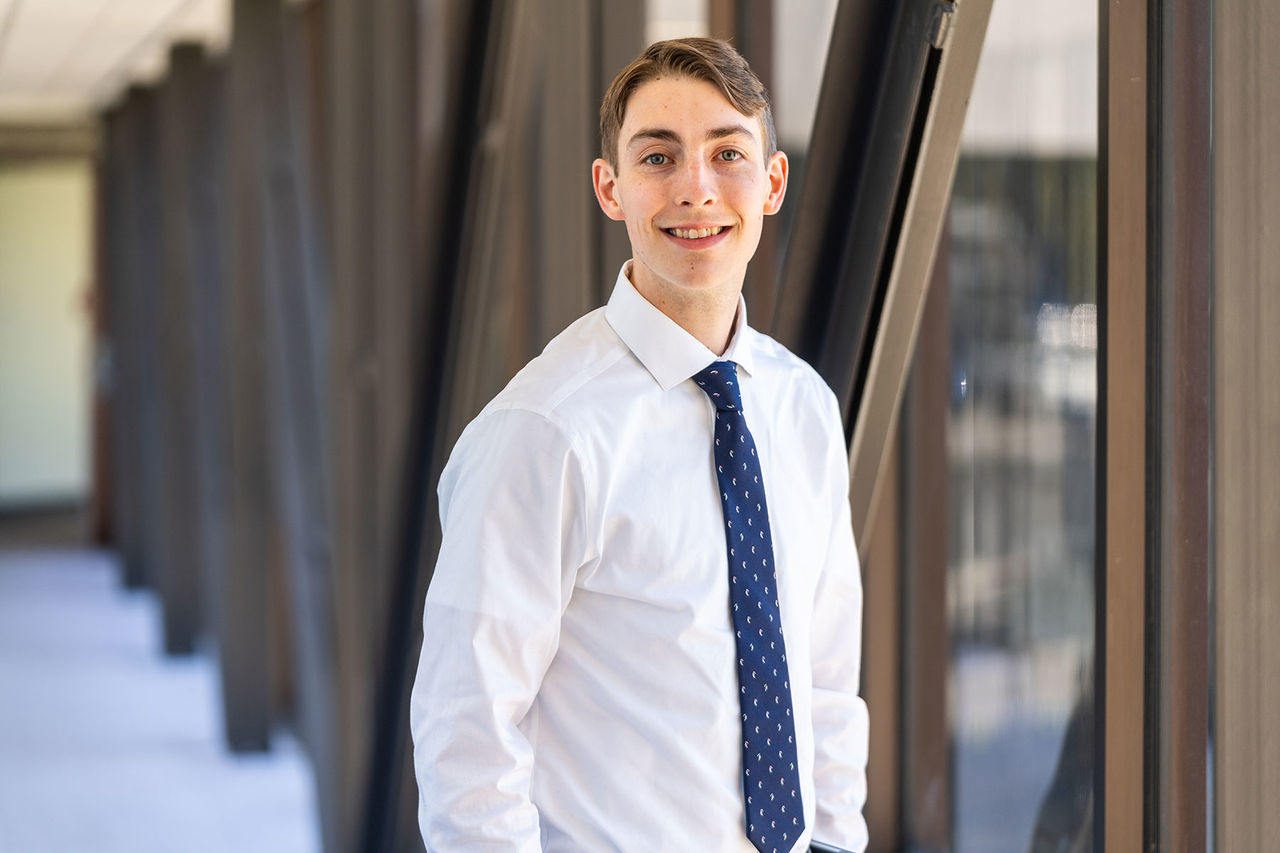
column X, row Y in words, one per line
column 1021, row 439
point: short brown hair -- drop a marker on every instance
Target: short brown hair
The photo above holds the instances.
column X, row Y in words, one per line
column 712, row 60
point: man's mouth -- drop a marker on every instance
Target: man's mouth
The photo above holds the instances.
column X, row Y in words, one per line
column 695, row 233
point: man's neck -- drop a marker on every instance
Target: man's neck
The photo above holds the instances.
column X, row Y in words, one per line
column 708, row 313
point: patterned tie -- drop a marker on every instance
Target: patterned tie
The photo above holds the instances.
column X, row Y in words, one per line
column 770, row 780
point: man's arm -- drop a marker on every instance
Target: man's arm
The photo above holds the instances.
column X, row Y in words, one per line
column 513, row 515
column 840, row 724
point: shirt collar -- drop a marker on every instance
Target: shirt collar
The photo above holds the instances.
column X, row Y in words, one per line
column 668, row 352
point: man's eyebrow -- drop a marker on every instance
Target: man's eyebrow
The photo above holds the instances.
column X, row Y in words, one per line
column 662, row 134
column 728, row 130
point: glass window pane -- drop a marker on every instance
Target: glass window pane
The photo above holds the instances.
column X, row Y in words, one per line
column 1021, row 598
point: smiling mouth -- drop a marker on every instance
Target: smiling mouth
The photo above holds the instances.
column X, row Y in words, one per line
column 695, row 233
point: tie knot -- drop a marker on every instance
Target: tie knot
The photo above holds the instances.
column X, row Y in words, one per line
column 720, row 382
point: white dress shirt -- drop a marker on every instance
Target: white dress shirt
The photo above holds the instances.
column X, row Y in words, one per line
column 577, row 688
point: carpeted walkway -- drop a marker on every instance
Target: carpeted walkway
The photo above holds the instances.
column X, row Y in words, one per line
column 106, row 746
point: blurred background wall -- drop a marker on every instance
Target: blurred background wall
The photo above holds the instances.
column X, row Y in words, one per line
column 45, row 331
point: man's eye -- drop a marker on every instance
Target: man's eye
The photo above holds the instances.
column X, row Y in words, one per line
column 656, row 159
column 731, row 155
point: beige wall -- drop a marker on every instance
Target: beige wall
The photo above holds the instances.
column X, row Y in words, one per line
column 44, row 331
column 1247, row 421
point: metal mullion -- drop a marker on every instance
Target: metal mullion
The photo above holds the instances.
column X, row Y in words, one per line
column 1180, row 414
column 924, row 644
column 864, row 107
column 1122, row 440
column 862, row 249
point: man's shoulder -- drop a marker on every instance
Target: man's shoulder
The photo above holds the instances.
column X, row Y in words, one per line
column 777, row 364
column 537, row 407
column 564, row 368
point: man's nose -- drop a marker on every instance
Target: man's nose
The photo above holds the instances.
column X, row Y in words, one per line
column 697, row 184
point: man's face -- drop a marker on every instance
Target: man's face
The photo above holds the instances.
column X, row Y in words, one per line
column 693, row 185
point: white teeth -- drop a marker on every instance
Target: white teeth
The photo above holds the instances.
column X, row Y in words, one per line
column 695, row 233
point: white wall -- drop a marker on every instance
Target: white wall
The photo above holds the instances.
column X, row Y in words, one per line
column 45, row 219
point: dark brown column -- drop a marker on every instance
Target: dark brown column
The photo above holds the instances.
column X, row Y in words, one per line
column 103, row 526
column 182, row 584
column 359, row 562
column 182, row 108
column 144, row 253
column 118, row 295
column 204, row 138
column 242, row 632
column 395, row 270
column 299, row 321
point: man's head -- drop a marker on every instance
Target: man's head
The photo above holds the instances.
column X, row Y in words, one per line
column 711, row 60
column 691, row 166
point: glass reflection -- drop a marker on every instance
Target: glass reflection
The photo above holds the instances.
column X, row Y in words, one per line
column 1021, row 598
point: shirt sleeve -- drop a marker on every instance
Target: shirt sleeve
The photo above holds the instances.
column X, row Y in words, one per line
column 513, row 513
column 840, row 723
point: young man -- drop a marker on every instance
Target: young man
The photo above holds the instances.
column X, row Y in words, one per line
column 627, row 646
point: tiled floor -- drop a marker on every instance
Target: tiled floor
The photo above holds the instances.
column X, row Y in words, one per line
column 106, row 745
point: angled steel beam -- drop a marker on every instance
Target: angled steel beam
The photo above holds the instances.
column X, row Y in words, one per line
column 885, row 144
column 858, row 160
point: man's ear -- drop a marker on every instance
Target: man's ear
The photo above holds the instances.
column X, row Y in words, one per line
column 778, row 167
column 606, row 184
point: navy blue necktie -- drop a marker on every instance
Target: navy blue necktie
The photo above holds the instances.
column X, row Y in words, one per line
column 770, row 780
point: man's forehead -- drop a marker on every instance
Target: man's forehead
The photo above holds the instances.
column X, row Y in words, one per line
column 638, row 127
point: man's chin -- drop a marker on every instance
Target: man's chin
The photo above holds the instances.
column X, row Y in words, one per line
column 696, row 277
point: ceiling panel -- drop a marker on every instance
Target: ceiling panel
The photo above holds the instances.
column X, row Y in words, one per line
column 60, row 60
